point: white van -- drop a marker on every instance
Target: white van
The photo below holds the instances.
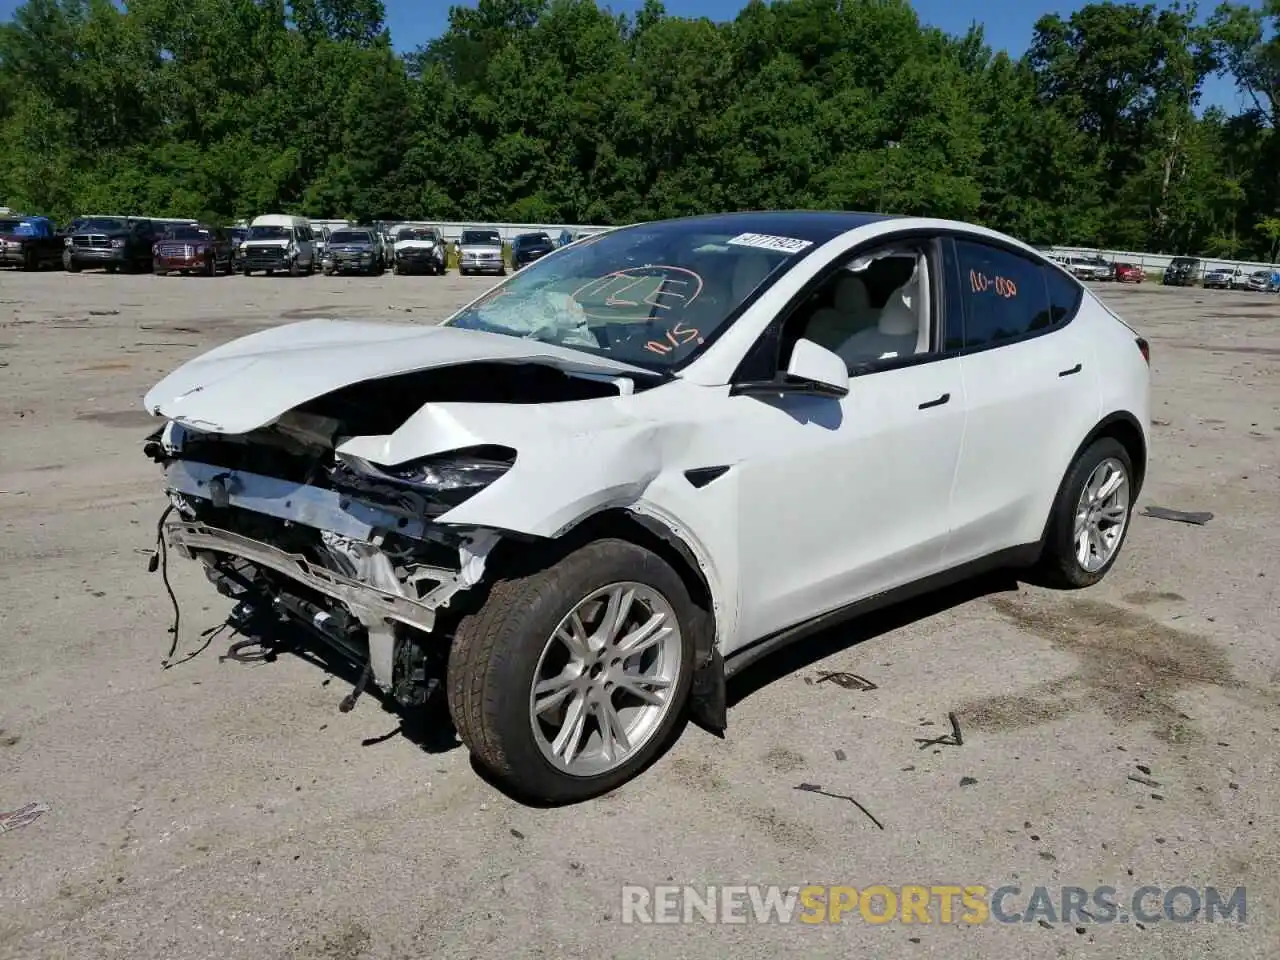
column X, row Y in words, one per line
column 278, row 242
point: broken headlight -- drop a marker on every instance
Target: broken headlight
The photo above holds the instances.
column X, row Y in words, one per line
column 450, row 473
column 447, row 479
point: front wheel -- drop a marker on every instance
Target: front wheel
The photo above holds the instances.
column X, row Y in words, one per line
column 570, row 680
column 1090, row 517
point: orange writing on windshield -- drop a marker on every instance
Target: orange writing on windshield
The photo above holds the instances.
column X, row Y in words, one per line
column 979, row 282
column 677, row 336
column 636, row 292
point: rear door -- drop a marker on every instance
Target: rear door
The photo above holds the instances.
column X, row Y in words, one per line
column 1031, row 390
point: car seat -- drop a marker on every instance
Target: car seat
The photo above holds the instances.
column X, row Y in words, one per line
column 850, row 311
column 897, row 331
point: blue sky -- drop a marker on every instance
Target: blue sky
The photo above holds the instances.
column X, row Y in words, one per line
column 1008, row 23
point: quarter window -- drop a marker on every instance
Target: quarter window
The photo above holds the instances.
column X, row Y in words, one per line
column 1005, row 295
column 1064, row 295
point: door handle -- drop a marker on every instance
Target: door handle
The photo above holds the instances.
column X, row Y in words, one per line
column 1066, row 373
column 935, row 403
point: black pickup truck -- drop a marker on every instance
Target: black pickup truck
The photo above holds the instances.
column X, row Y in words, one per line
column 113, row 243
column 29, row 243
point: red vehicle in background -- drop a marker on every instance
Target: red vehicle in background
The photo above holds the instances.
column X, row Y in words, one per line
column 193, row 249
column 1129, row 273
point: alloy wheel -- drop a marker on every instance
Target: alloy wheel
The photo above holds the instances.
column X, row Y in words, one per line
column 1102, row 514
column 605, row 680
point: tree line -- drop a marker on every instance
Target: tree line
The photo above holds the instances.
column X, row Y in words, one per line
column 562, row 111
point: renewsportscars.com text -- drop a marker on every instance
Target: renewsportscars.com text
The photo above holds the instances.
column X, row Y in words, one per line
column 933, row 903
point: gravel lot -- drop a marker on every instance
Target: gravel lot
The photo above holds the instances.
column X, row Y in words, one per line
column 222, row 809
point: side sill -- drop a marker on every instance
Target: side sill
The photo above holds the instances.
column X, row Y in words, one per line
column 1019, row 556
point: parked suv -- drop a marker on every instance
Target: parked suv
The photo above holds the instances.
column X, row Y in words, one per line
column 480, row 251
column 193, row 249
column 419, row 250
column 112, row 243
column 590, row 496
column 1181, row 272
column 353, row 250
column 529, row 247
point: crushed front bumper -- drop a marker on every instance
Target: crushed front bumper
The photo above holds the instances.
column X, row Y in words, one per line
column 378, row 597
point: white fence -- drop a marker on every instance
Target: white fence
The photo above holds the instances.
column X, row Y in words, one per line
column 1157, row 261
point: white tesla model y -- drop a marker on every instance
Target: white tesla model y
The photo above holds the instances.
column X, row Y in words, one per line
column 651, row 457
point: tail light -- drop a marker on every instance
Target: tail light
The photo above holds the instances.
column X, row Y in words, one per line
column 1145, row 349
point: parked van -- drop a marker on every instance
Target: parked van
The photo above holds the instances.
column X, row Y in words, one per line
column 278, row 242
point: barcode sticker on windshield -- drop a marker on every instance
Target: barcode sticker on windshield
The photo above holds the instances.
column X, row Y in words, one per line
column 766, row 242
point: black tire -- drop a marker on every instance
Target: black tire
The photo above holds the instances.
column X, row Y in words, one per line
column 1058, row 565
column 496, row 651
column 30, row 261
column 269, row 273
column 246, row 272
column 212, row 269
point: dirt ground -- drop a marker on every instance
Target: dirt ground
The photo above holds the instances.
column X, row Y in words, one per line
column 222, row 809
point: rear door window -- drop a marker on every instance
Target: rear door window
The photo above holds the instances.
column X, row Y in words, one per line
column 1005, row 294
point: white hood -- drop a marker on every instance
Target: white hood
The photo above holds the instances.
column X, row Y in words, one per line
column 248, row 383
column 415, row 244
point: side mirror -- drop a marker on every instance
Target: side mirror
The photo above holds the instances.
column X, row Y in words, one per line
column 817, row 369
column 813, row 369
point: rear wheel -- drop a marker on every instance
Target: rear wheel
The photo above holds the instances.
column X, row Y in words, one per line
column 570, row 680
column 1090, row 517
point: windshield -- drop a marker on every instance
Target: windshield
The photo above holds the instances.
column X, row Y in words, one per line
column 269, row 233
column 8, row 226
column 415, row 233
column 101, row 225
column 189, row 233
column 350, row 236
column 481, row 236
column 650, row 295
column 238, row 233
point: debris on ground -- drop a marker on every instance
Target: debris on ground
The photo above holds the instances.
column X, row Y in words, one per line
column 967, row 781
column 952, row 739
column 1145, row 781
column 1199, row 518
column 22, row 817
column 850, row 681
column 817, row 788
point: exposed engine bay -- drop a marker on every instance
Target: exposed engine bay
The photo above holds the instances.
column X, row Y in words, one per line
column 343, row 547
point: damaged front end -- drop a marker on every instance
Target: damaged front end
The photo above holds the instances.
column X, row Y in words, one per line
column 344, row 548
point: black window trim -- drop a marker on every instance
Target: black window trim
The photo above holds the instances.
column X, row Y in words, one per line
column 927, row 240
column 950, row 236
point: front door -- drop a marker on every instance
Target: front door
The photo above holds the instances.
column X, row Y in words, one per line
column 851, row 496
column 844, row 498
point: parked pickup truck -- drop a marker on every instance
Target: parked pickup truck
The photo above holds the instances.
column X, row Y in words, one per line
column 29, row 243
column 1220, row 278
column 113, row 243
